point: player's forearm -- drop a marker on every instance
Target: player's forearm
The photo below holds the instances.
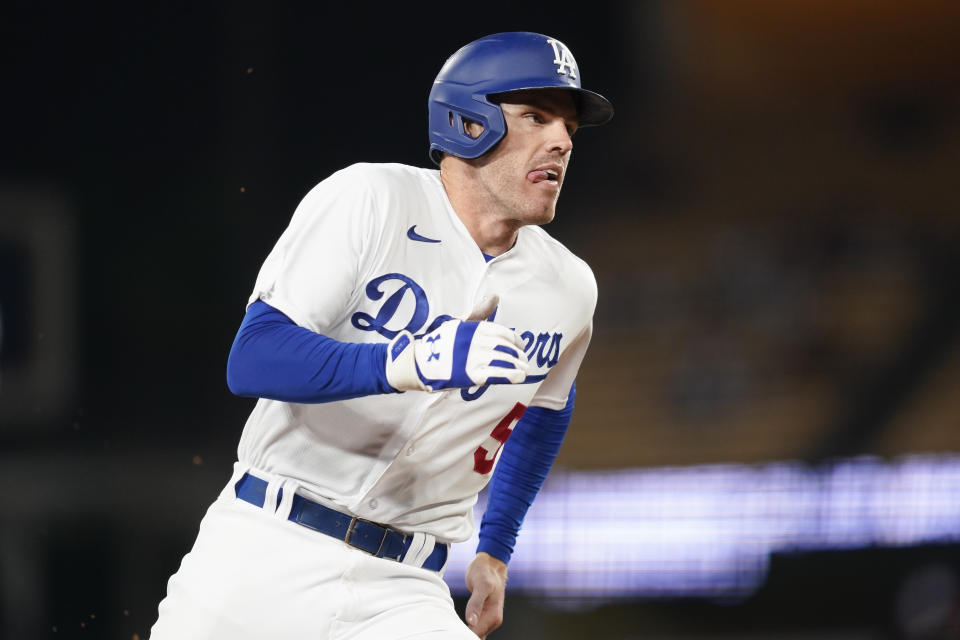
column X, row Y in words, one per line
column 272, row 357
column 524, row 463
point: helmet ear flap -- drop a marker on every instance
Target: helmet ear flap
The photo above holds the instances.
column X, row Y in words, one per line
column 450, row 129
column 458, row 127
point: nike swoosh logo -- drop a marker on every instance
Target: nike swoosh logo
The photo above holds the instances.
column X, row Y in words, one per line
column 413, row 235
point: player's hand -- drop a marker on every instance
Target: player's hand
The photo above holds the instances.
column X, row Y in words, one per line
column 457, row 354
column 487, row 582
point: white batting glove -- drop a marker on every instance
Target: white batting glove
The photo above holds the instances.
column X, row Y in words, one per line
column 457, row 354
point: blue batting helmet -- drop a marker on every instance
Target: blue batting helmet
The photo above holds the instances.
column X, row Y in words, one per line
column 495, row 64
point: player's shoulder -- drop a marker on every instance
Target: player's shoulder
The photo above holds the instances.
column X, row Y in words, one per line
column 382, row 176
column 554, row 255
column 373, row 187
column 537, row 239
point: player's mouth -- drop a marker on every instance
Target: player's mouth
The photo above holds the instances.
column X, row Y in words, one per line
column 548, row 173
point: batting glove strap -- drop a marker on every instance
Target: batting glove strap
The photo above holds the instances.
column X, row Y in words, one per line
column 458, row 354
column 401, row 367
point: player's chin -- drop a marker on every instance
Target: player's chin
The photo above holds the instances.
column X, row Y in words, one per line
column 542, row 216
column 541, row 210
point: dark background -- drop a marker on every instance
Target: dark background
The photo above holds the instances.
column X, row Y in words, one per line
column 771, row 217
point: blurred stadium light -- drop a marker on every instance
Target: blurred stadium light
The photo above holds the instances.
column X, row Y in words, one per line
column 709, row 531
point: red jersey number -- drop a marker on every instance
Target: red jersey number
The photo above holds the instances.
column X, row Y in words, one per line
column 486, row 454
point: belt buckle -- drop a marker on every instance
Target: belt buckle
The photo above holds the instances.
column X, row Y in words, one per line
column 350, row 531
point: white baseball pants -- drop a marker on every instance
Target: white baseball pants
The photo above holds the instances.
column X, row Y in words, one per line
column 254, row 575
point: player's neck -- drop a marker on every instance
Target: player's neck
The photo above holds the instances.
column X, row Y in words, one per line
column 493, row 234
column 493, row 237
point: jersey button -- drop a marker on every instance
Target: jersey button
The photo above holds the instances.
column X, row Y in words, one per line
column 373, row 503
column 410, row 450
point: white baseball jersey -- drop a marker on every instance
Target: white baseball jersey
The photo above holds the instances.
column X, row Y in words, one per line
column 376, row 249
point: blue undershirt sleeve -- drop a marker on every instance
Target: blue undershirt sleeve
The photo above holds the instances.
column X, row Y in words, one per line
column 524, row 463
column 273, row 357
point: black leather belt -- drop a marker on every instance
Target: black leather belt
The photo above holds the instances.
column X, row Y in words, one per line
column 375, row 539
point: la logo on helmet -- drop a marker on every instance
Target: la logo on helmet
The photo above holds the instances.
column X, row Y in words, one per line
column 563, row 58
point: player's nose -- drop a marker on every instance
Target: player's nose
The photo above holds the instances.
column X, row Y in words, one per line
column 559, row 139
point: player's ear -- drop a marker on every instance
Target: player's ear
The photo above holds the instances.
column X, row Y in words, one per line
column 472, row 129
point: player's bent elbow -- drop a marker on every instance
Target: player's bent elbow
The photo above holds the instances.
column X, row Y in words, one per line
column 239, row 381
column 235, row 384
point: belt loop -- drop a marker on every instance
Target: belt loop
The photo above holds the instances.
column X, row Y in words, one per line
column 283, row 502
column 230, row 491
column 443, row 569
column 420, row 549
column 271, row 498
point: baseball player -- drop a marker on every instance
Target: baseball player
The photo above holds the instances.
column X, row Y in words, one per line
column 413, row 334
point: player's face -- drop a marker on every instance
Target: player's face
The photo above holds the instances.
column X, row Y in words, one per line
column 523, row 174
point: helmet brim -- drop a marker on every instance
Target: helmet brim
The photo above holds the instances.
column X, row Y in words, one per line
column 593, row 109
